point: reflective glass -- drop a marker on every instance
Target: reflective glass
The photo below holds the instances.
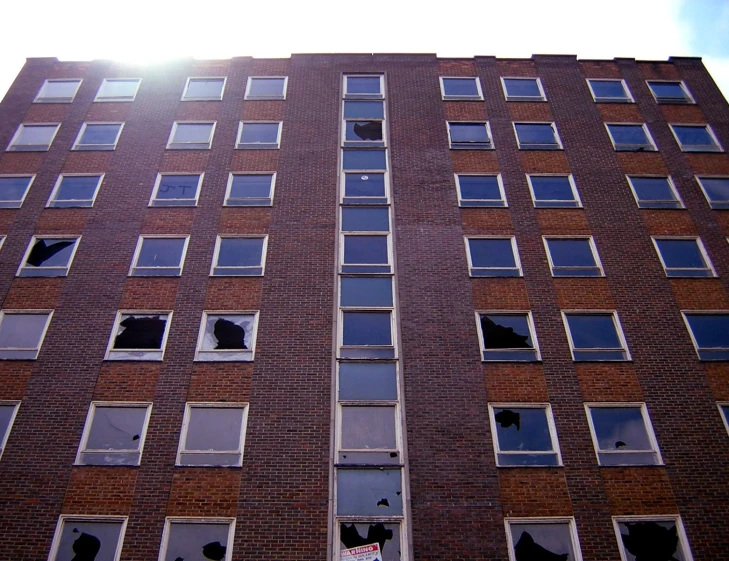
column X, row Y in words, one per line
column 366, row 291
column 468, row 132
column 364, row 110
column 177, row 187
column 571, row 252
column 116, row 428
column 369, row 492
column 22, row 331
column 552, row 188
column 161, row 252
column 710, row 330
column 608, row 89
column 265, row 87
column 99, row 134
column 240, row 252
column 681, row 254
column 366, row 328
column 522, row 87
column 461, row 87
column 364, row 185
column 203, row 88
column 593, row 331
column 535, row 133
column 77, row 188
column 492, row 253
column 367, row 381
column 364, row 159
column 371, row 250
column 363, row 85
column 365, row 219
column 214, row 429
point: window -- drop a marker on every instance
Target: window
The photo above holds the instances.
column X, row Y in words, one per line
column 268, row 87
column 369, row 492
column 188, row 538
column 366, row 292
column 114, row 434
column 542, row 539
column 382, row 538
column 696, row 138
column 159, row 256
column 363, row 133
column 250, row 189
column 622, row 434
column 524, row 435
column 470, row 136
column 8, row 411
column 656, row 537
column 709, row 333
column 523, row 89
column 595, row 336
column 723, row 410
column 13, row 189
column 480, row 190
column 357, row 219
column 507, row 336
column 22, row 333
column 716, row 191
column 356, row 86
column 493, row 257
column 102, row 536
column 554, row 191
column 98, row 136
column 366, row 110
column 176, row 189
column 537, row 136
column 48, row 256
column 57, row 91
column 654, row 192
column 364, row 188
column 75, row 190
column 683, row 257
column 191, row 136
column 239, row 256
column 118, row 89
column 610, row 91
column 366, row 334
column 227, row 336
column 259, row 135
column 139, row 335
column 630, row 137
column 213, row 434
column 365, row 160
column 573, row 256
column 670, row 92
column 365, row 253
column 203, row 89
column 33, row 138
column 460, row 88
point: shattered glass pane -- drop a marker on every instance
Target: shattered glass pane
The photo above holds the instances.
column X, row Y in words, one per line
column 653, row 541
column 228, row 332
column 259, row 133
column 654, row 192
column 461, row 87
column 368, row 428
column 140, row 332
column 197, row 541
column 266, row 87
column 542, row 542
column 368, row 85
column 364, row 160
column 369, row 492
column 99, row 135
column 553, row 191
column 76, row 191
column 92, row 540
column 200, row 88
column 367, row 292
column 524, row 432
column 22, row 331
column 12, row 190
column 539, row 135
column 612, row 90
column 683, row 258
column 492, row 257
column 250, row 189
column 367, row 381
column 49, row 253
column 366, row 328
column 622, row 429
column 522, row 87
column 363, row 131
column 358, row 534
column 364, row 110
column 116, row 429
column 507, row 337
column 716, row 188
column 365, row 219
column 174, row 189
column 161, row 252
column 214, row 429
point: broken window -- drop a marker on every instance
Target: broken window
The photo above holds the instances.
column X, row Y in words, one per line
column 542, row 540
column 8, row 411
column 139, row 336
column 554, row 191
column 653, row 538
column 716, row 191
column 709, row 334
column 683, row 257
column 203, row 89
column 367, row 381
column 364, row 133
column 227, row 337
column 460, row 88
column 364, row 188
column 212, row 434
column 493, row 257
column 365, row 160
column 250, row 189
column 654, row 192
column 191, row 136
column 354, row 535
column 22, row 333
column 524, row 435
column 73, row 190
column 537, row 136
column 369, row 492
column 258, row 135
column 669, row 92
column 368, row 110
column 367, row 334
column 696, row 138
column 198, row 539
column 595, row 336
column 13, row 189
column 363, row 86
column 48, row 257
column 158, row 256
column 365, row 219
column 88, row 538
column 114, row 434
column 118, row 89
column 480, row 190
column 57, row 91
column 173, row 189
column 614, row 91
column 508, row 336
column 469, row 136
column 523, row 89
column 239, row 256
column 630, row 137
column 622, row 435
column 98, row 136
column 33, row 138
column 365, row 253
column 366, row 292
column 266, row 87
column 573, row 257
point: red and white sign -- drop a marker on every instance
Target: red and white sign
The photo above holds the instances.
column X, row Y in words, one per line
column 363, row 553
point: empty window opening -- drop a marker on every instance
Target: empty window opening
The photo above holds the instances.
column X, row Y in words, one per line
column 365, row 160
column 159, row 256
column 610, row 91
column 13, row 189
column 670, row 92
column 226, row 337
column 365, row 110
column 191, row 136
column 203, row 89
column 88, row 538
column 469, row 136
column 573, row 257
column 266, row 88
column 98, row 136
column 75, row 191
column 8, row 411
column 369, row 492
column 537, row 136
column 507, row 337
column 461, row 88
column 523, row 89
column 524, row 436
column 119, row 89
column 22, row 333
column 48, row 257
column 33, row 138
column 366, row 292
column 354, row 535
column 139, row 336
column 595, row 336
column 696, row 138
column 542, row 540
column 57, row 91
column 480, row 190
column 364, row 133
column 716, row 191
column 554, row 191
column 659, row 539
column 198, row 539
column 632, row 138
column 212, row 435
column 710, row 334
column 654, row 192
column 364, row 188
column 365, row 219
column 114, row 434
column 363, row 86
column 250, row 189
column 493, row 257
column 683, row 257
column 622, row 435
column 176, row 190
column 367, row 335
column 239, row 256
column 365, row 254
column 259, row 135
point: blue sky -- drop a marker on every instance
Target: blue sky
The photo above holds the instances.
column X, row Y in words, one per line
column 153, row 30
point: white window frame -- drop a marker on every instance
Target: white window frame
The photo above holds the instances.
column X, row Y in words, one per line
column 675, row 518
column 569, row 520
column 4, row 350
column 217, row 521
column 61, row 271
column 147, row 355
column 77, row 146
column 380, row 95
column 2, row 240
column 720, row 205
column 502, row 192
column 281, row 96
column 227, row 355
column 645, row 129
column 186, row 425
column 618, row 329
column 206, row 78
column 4, row 437
column 701, row 147
column 44, row 99
column 138, row 250
column 628, row 99
column 57, row 187
column 183, row 202
column 258, row 145
column 384, row 200
column 63, row 518
column 447, row 97
column 595, row 255
column 530, row 325
column 514, row 251
column 110, row 99
column 689, row 99
column 393, row 333
column 523, row 98
column 709, row 266
column 552, row 434
column 32, row 147
column 216, row 254
column 89, row 422
column 720, row 405
column 647, row 424
column 573, row 186
column 342, row 263
column 671, row 186
column 7, row 204
column 685, row 313
column 557, row 146
column 229, row 188
column 476, row 145
column 171, row 145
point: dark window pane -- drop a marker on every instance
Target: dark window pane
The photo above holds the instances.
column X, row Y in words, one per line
column 522, row 430
column 629, row 135
column 364, row 185
column 552, row 188
column 479, row 187
column 99, row 134
column 366, row 328
column 542, row 541
column 214, row 429
column 368, row 428
column 668, row 90
column 259, row 133
column 353, row 535
column 161, row 252
column 717, row 188
column 116, row 428
column 190, row 541
column 251, row 186
column 370, row 250
column 264, row 87
column 77, row 188
column 571, row 253
column 240, row 252
column 140, row 332
column 620, row 428
column 369, row 492
column 593, row 331
column 365, row 219
column 532, row 133
column 366, row 291
column 693, row 136
column 364, row 110
column 178, row 187
column 516, row 87
column 50, row 252
column 492, row 253
column 364, row 131
column 367, row 381
column 647, row 539
column 13, row 188
column 364, row 159
column 506, row 332
column 608, row 89
column 466, row 87
column 363, row 84
column 710, row 330
column 681, row 254
column 468, row 132
column 652, row 188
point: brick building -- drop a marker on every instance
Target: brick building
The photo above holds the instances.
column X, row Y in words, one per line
column 286, row 308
